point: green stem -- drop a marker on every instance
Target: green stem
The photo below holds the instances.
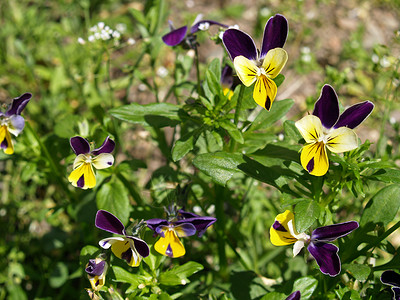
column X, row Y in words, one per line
column 131, row 77
column 196, row 51
column 132, row 189
column 220, row 228
column 239, row 104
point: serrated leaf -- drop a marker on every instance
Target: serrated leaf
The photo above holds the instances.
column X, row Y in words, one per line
column 306, row 212
column 267, row 118
column 306, row 286
column 155, row 114
column 383, row 206
column 220, row 166
column 359, row 272
column 113, row 197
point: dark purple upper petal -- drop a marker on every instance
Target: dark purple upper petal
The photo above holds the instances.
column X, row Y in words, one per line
column 107, row 147
column 94, row 269
column 175, row 37
column 154, row 223
column 141, row 246
column 200, row 223
column 294, row 296
column 108, row 222
column 195, row 27
column 327, row 106
column 355, row 115
column 227, row 77
column 18, row 104
column 333, row 232
column 396, row 292
column 237, row 43
column 391, row 278
column 326, row 257
column 275, row 34
column 79, row 145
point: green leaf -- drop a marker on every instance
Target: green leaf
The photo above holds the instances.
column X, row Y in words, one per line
column 170, row 279
column 267, row 118
column 383, row 206
column 113, row 197
column 279, row 79
column 306, row 286
column 274, row 296
column 59, row 275
column 187, row 269
column 87, row 253
column 233, row 131
column 306, row 212
column 121, row 275
column 291, row 131
column 185, row 144
column 387, row 175
column 155, row 114
column 359, row 272
column 220, row 166
column 215, row 67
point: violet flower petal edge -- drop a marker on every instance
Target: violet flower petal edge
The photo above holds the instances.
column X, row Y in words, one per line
column 355, row 115
column 79, row 145
column 332, row 232
column 326, row 257
column 238, row 43
column 294, row 296
column 18, row 104
column 327, row 106
column 108, row 222
column 107, row 147
column 175, row 37
column 275, row 34
column 391, row 278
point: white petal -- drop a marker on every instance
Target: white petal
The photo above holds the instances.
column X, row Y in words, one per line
column 297, row 247
column 103, row 161
column 79, row 160
column 107, row 242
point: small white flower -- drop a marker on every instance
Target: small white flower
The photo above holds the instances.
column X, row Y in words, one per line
column 236, row 26
column 91, row 38
column 305, row 50
column 93, row 29
column 392, row 120
column 375, row 58
column 97, row 35
column 121, row 27
column 116, row 34
column 142, row 87
column 204, row 26
column 162, row 72
column 100, row 25
column 384, row 62
column 131, row 41
column 81, row 41
column 265, row 12
column 281, row 136
column 306, row 58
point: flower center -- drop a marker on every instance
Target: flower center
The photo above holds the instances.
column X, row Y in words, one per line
column 4, row 121
column 88, row 159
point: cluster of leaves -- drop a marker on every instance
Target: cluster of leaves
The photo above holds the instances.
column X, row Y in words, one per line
column 223, row 156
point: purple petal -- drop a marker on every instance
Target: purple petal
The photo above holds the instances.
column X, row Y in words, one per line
column 396, row 292
column 278, row 226
column 17, row 122
column 326, row 257
column 79, row 145
column 327, row 106
column 154, row 223
column 355, row 115
column 333, row 232
column 275, row 34
column 141, row 246
column 81, row 182
column 94, row 269
column 4, row 144
column 107, row 147
column 294, row 296
column 18, row 104
column 195, row 27
column 391, row 278
column 237, row 43
column 184, row 229
column 227, row 77
column 108, row 222
column 185, row 214
column 175, row 37
column 161, row 229
column 200, row 223
column 169, row 252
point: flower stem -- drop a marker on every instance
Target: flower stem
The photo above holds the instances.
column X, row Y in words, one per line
column 197, row 70
column 239, row 104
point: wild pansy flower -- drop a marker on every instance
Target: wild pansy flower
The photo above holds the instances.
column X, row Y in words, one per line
column 96, row 270
column 129, row 247
column 179, row 35
column 326, row 128
column 259, row 67
column 12, row 122
column 283, row 232
column 393, row 279
column 179, row 224
column 83, row 175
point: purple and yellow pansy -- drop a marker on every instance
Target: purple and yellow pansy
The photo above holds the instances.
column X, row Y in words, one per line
column 283, row 232
column 128, row 247
column 11, row 122
column 83, row 175
column 326, row 129
column 261, row 67
column 96, row 270
column 182, row 224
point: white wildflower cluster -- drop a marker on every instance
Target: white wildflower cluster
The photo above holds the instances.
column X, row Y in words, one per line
column 306, row 54
column 384, row 61
column 102, row 32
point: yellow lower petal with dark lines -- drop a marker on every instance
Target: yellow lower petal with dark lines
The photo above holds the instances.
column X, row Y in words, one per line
column 279, row 232
column 170, row 245
column 264, row 92
column 314, row 159
column 5, row 137
column 83, row 172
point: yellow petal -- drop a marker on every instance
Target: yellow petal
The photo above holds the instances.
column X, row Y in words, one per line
column 264, row 92
column 228, row 92
column 5, row 137
column 341, row 140
column 124, row 250
column 274, row 62
column 84, row 172
column 314, row 159
column 279, row 232
column 246, row 70
column 310, row 128
column 170, row 245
